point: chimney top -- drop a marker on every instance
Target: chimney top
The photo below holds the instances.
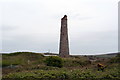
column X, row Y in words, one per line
column 65, row 17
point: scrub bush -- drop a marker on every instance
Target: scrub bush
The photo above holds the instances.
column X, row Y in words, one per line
column 54, row 61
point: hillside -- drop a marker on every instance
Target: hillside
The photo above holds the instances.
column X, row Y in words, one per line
column 29, row 66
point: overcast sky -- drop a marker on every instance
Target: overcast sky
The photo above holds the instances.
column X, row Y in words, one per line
column 34, row 25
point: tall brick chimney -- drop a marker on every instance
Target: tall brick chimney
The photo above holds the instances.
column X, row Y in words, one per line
column 64, row 43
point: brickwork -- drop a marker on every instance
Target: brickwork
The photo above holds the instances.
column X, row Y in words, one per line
column 64, row 43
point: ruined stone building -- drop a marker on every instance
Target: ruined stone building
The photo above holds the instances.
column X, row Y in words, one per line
column 64, row 43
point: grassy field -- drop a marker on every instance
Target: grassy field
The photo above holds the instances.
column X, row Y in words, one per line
column 32, row 66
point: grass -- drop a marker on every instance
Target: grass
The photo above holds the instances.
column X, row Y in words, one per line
column 32, row 66
column 21, row 58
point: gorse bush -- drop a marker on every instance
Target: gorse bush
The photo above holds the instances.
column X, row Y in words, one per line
column 54, row 61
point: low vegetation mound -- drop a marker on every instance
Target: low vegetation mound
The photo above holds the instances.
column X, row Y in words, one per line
column 54, row 61
column 21, row 58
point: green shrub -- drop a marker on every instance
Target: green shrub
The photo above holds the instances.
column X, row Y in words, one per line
column 62, row 74
column 74, row 62
column 110, row 76
column 11, row 62
column 81, row 75
column 115, row 59
column 54, row 61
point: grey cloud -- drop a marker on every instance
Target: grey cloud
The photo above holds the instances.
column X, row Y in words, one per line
column 81, row 17
column 34, row 26
column 30, row 43
column 89, row 44
column 95, row 43
column 9, row 28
